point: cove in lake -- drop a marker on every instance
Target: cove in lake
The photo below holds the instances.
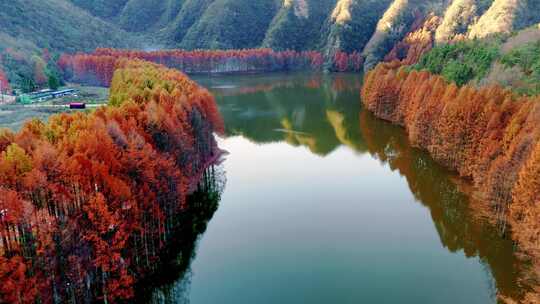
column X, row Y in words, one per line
column 326, row 204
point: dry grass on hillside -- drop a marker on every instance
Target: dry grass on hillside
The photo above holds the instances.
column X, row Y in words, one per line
column 457, row 19
column 301, row 7
column 525, row 36
column 499, row 18
column 342, row 12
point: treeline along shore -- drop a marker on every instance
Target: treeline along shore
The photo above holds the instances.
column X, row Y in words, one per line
column 489, row 135
column 90, row 201
column 97, row 68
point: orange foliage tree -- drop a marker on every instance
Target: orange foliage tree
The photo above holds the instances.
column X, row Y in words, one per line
column 344, row 62
column 89, row 201
column 98, row 67
column 419, row 41
column 487, row 135
column 4, row 83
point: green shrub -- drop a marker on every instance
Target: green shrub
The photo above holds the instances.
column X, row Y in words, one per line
column 460, row 62
column 527, row 57
column 457, row 72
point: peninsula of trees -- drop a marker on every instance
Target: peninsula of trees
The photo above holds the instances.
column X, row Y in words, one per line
column 89, row 202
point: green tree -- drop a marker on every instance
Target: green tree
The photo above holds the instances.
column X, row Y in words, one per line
column 461, row 62
column 457, row 72
column 53, row 82
column 27, row 84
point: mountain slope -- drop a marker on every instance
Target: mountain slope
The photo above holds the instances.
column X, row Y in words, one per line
column 499, row 18
column 189, row 14
column 231, row 24
column 372, row 27
column 38, row 23
column 393, row 26
column 106, row 9
column 456, row 20
column 528, row 14
column 297, row 25
column 29, row 26
column 351, row 24
column 144, row 15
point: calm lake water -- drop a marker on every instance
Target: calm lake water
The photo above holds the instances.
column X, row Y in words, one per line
column 326, row 204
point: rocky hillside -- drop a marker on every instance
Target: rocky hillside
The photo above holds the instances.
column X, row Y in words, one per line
column 370, row 27
column 351, row 24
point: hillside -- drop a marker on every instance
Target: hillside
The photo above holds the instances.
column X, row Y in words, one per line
column 189, row 14
column 56, row 25
column 367, row 26
column 298, row 24
column 29, row 27
column 512, row 62
column 231, row 24
column 102, row 8
column 141, row 15
column 351, row 24
column 455, row 22
column 377, row 29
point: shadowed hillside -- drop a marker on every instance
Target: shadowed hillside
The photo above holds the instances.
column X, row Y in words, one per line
column 351, row 24
column 298, row 25
column 231, row 24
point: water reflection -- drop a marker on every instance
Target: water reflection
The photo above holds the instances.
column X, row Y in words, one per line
column 322, row 113
column 171, row 285
column 453, row 215
column 313, row 111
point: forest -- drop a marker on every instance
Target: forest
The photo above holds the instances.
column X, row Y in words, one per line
column 98, row 67
column 489, row 135
column 473, row 105
column 89, row 202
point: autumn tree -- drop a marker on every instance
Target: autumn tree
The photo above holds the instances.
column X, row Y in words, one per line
column 4, row 83
column 488, row 135
column 97, row 68
column 89, row 201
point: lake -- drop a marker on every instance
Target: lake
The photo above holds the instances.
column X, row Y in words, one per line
column 324, row 203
